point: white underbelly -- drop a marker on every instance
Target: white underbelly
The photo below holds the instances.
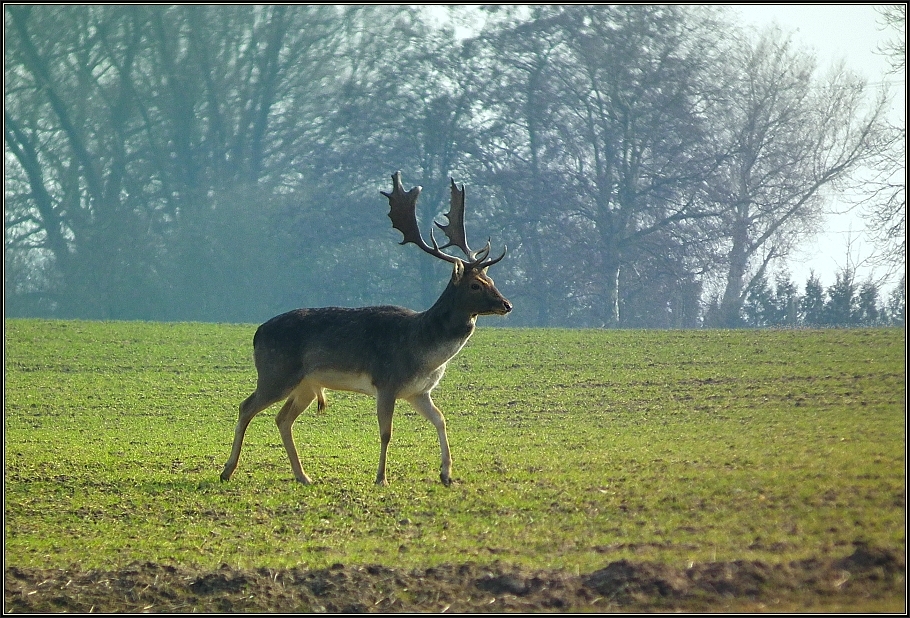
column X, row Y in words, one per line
column 340, row 381
column 363, row 383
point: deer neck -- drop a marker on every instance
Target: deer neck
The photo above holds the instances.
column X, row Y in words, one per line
column 445, row 321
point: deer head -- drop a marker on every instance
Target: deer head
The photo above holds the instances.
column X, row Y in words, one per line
column 474, row 292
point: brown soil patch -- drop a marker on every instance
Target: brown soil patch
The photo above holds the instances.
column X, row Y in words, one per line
column 867, row 574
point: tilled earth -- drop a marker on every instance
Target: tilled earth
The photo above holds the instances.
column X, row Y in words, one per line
column 867, row 574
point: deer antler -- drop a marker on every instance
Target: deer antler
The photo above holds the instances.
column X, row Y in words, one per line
column 403, row 213
column 482, row 263
column 455, row 229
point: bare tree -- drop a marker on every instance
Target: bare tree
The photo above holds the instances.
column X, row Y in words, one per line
column 133, row 133
column 894, row 18
column 885, row 208
column 520, row 102
column 600, row 141
column 70, row 129
column 792, row 135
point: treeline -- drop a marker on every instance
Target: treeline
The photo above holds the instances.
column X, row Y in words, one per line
column 223, row 163
column 843, row 304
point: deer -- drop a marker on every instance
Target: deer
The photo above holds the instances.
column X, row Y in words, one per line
column 388, row 352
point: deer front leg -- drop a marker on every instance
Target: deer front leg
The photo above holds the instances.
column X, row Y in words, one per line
column 251, row 406
column 289, row 412
column 424, row 404
column 385, row 406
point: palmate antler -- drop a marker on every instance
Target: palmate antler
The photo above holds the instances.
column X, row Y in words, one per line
column 403, row 213
column 455, row 229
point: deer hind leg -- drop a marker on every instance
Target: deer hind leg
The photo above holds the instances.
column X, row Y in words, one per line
column 251, row 406
column 385, row 406
column 424, row 404
column 296, row 403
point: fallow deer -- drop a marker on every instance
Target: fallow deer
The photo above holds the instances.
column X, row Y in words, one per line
column 388, row 352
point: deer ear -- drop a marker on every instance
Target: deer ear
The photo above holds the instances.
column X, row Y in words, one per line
column 457, row 272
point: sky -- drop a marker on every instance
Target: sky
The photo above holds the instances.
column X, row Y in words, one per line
column 848, row 32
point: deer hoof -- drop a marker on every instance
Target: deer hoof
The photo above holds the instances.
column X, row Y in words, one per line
column 447, row 481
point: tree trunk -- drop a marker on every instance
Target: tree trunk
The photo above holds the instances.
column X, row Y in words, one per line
column 611, row 276
column 732, row 302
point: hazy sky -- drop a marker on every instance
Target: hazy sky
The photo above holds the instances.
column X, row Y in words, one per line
column 848, row 32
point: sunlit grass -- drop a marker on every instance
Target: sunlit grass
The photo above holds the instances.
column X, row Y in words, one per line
column 571, row 448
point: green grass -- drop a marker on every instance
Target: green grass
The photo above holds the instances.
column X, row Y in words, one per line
column 572, row 449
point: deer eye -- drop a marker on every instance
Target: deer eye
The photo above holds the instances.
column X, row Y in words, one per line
column 475, row 286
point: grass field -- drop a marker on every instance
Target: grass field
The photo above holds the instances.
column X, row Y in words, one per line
column 571, row 448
